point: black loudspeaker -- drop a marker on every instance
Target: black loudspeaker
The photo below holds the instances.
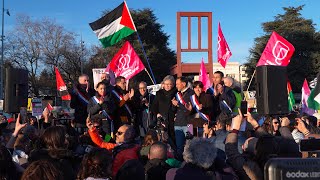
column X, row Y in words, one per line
column 271, row 87
column 16, row 90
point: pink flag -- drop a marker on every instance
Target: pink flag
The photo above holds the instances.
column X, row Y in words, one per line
column 305, row 93
column 224, row 52
column 277, row 52
column 126, row 62
column 203, row 77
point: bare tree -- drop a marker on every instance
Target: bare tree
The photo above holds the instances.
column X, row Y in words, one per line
column 24, row 49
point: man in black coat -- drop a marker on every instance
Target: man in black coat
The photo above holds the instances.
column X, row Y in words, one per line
column 123, row 100
column 142, row 101
column 80, row 97
column 183, row 116
column 156, row 168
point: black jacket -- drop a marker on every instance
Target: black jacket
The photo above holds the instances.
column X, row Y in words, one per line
column 121, row 114
column 143, row 112
column 206, row 102
column 156, row 169
column 63, row 158
column 217, row 105
column 94, row 108
column 78, row 105
column 183, row 116
column 162, row 104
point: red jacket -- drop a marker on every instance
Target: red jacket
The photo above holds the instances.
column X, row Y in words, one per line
column 122, row 157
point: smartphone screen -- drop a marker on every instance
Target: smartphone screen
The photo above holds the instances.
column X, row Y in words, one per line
column 309, row 145
column 190, row 128
column 244, row 107
column 23, row 115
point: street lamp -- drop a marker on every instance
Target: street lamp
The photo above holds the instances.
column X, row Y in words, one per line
column 2, row 49
column 81, row 54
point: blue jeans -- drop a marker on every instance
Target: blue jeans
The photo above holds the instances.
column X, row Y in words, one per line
column 180, row 134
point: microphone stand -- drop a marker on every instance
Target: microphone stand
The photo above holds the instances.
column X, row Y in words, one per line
column 148, row 120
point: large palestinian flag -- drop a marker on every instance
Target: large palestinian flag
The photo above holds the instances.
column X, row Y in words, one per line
column 114, row 26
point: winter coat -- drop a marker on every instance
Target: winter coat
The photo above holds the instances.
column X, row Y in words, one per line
column 79, row 105
column 182, row 116
column 63, row 158
column 121, row 115
column 162, row 105
column 156, row 169
column 206, row 102
column 123, row 153
column 94, row 107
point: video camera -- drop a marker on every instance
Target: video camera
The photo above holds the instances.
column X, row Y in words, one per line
column 161, row 124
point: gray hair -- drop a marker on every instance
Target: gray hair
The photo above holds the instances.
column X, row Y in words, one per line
column 229, row 79
column 200, row 151
column 144, row 83
column 169, row 78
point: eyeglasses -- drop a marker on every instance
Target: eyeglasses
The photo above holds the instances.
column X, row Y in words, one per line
column 142, row 88
column 275, row 122
column 119, row 133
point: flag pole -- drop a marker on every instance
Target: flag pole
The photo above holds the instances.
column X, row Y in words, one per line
column 149, row 75
column 145, row 55
column 254, row 72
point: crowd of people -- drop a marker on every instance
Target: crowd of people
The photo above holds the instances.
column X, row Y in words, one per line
column 182, row 132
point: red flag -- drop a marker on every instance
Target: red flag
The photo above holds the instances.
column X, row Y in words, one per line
column 203, row 77
column 61, row 87
column 49, row 107
column 277, row 52
column 224, row 52
column 126, row 62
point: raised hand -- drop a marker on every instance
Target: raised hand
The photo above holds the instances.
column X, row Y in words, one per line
column 87, row 89
column 126, row 97
column 174, row 101
column 131, row 93
column 251, row 120
column 18, row 126
column 188, row 106
column 89, row 124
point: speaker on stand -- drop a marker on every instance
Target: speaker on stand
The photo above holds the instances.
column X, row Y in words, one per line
column 271, row 87
column 16, row 90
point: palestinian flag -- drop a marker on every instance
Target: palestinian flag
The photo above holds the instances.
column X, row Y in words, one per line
column 291, row 100
column 114, row 26
column 314, row 98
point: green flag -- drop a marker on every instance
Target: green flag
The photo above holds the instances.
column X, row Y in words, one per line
column 291, row 100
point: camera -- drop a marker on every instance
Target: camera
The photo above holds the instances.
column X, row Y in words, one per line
column 161, row 123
